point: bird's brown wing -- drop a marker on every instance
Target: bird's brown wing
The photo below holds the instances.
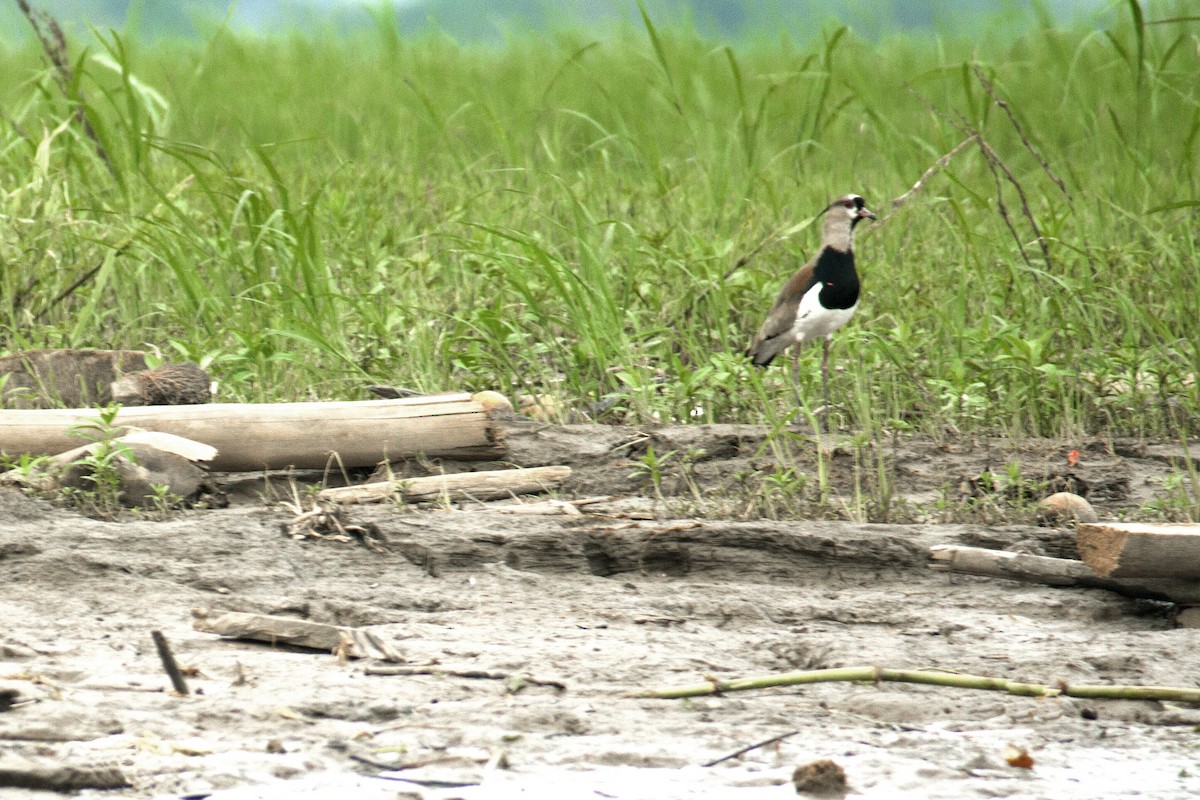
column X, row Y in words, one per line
column 772, row 338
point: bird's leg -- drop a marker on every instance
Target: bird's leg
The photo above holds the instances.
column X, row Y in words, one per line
column 828, row 410
column 796, row 376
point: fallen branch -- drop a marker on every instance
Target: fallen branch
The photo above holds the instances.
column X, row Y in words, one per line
column 927, row 677
column 1056, row 572
column 485, row 485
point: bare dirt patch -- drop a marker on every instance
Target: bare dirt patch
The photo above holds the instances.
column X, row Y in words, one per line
column 535, row 628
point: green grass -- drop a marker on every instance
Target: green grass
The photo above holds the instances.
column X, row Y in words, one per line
column 564, row 215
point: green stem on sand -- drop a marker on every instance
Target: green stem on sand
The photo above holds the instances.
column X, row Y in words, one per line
column 929, row 677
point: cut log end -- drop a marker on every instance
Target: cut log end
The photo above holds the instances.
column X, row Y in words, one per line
column 1140, row 549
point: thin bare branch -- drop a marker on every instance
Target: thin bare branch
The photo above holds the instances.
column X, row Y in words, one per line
column 993, row 158
column 991, row 90
column 937, row 166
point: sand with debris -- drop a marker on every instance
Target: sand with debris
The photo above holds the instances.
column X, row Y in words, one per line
column 527, row 634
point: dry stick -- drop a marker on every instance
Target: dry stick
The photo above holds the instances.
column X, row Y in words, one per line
column 994, row 159
column 987, row 85
column 1012, row 118
column 936, row 167
column 770, row 239
column 745, row 750
column 995, row 163
column 470, row 674
column 118, row 250
column 1000, row 207
column 70, row 290
column 786, row 233
column 952, row 679
column 168, row 660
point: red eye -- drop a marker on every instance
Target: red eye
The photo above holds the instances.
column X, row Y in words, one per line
column 848, row 204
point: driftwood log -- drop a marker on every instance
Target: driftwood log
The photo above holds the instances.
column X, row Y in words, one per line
column 1140, row 549
column 1056, row 572
column 251, row 437
column 486, row 485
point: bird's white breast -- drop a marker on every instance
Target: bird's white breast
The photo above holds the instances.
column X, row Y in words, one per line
column 814, row 320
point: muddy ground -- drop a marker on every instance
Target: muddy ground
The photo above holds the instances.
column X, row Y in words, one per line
column 535, row 628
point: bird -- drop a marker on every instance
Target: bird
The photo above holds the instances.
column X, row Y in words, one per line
column 820, row 298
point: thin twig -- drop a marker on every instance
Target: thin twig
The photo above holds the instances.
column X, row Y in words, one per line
column 997, row 166
column 994, row 161
column 70, row 290
column 937, row 166
column 748, row 257
column 468, row 673
column 168, row 662
column 987, row 85
column 745, row 750
column 1001, row 208
column 776, row 236
column 928, row 677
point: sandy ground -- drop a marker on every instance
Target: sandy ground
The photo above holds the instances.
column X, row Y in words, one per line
column 557, row 619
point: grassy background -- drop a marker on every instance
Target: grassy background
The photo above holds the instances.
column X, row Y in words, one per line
column 563, row 215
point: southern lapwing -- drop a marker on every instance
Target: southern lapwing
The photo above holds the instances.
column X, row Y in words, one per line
column 820, row 298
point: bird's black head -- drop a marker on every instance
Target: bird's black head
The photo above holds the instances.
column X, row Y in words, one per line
column 853, row 207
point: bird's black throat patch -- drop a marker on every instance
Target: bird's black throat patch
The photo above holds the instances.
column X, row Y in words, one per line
column 835, row 269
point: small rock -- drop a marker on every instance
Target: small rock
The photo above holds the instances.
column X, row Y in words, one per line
column 148, row 468
column 824, row 778
column 1064, row 508
column 8, row 697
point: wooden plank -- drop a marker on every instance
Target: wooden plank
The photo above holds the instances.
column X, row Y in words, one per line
column 484, row 485
column 1140, row 549
column 251, row 436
